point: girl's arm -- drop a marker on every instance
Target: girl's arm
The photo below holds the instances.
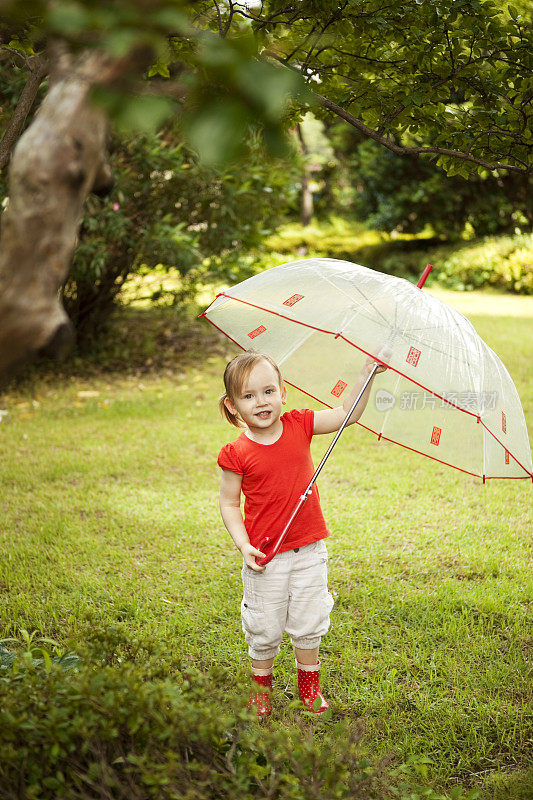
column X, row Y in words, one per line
column 230, row 509
column 331, row 419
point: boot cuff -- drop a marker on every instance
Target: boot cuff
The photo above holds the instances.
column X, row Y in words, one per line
column 262, row 673
column 308, row 667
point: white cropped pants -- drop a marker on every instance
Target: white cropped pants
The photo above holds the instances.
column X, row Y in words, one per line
column 291, row 594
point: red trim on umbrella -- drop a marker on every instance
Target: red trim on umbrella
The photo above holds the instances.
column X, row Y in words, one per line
column 504, row 447
column 224, row 332
column 276, row 313
column 507, row 477
column 380, row 436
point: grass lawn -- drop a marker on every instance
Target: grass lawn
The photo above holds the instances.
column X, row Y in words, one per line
column 109, row 515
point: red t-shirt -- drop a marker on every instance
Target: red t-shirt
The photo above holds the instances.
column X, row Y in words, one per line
column 274, row 476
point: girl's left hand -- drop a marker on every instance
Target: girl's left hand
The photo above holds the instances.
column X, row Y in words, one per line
column 369, row 363
column 382, row 357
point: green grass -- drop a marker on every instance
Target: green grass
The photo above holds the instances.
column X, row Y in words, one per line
column 109, row 515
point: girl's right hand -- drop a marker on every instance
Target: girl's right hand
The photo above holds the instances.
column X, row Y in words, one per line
column 249, row 553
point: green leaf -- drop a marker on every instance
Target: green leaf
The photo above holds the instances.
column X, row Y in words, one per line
column 269, row 87
column 47, row 660
column 317, row 702
column 159, row 69
column 22, row 47
column 53, row 642
column 121, row 41
column 67, row 18
column 26, row 636
column 141, row 114
column 217, row 131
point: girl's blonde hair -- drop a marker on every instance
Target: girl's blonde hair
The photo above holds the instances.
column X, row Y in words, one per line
column 235, row 374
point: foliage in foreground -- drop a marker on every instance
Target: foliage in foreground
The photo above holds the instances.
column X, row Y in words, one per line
column 136, row 731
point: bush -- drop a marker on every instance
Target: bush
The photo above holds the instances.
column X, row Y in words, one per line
column 169, row 214
column 121, row 729
column 407, row 194
column 504, row 262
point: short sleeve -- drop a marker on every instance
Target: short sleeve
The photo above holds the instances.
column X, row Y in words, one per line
column 306, row 418
column 228, row 459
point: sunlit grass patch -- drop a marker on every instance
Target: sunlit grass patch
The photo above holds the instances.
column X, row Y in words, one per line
column 109, row 517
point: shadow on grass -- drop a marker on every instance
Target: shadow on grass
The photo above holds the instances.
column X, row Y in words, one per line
column 138, row 341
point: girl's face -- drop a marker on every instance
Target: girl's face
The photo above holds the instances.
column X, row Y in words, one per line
column 260, row 400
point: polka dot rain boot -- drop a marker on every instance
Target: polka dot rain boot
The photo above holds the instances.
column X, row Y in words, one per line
column 308, row 684
column 260, row 696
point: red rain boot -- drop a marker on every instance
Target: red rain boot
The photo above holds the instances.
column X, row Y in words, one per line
column 261, row 699
column 308, row 684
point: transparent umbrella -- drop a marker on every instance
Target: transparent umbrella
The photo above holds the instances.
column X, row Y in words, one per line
column 446, row 394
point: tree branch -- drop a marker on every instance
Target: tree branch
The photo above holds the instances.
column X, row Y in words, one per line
column 38, row 70
column 370, row 133
column 402, row 150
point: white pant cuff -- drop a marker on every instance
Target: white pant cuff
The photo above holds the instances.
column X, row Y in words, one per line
column 262, row 655
column 306, row 643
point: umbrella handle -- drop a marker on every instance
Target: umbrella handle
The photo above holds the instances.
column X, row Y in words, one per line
column 283, row 535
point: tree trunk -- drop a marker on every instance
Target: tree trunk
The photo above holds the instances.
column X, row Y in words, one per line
column 58, row 160
column 307, row 208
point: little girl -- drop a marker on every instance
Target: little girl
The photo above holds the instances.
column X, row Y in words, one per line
column 271, row 464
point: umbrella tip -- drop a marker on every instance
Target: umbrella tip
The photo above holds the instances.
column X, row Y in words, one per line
column 424, row 275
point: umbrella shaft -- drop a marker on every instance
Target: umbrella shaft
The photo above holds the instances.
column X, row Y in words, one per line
column 339, row 432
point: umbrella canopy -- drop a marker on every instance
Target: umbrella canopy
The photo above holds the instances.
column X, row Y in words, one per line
column 446, row 394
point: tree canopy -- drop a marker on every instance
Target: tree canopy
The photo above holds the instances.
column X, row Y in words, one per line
column 450, row 80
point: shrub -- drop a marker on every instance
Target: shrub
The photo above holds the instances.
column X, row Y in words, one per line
column 504, row 262
column 168, row 213
column 107, row 729
column 403, row 193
